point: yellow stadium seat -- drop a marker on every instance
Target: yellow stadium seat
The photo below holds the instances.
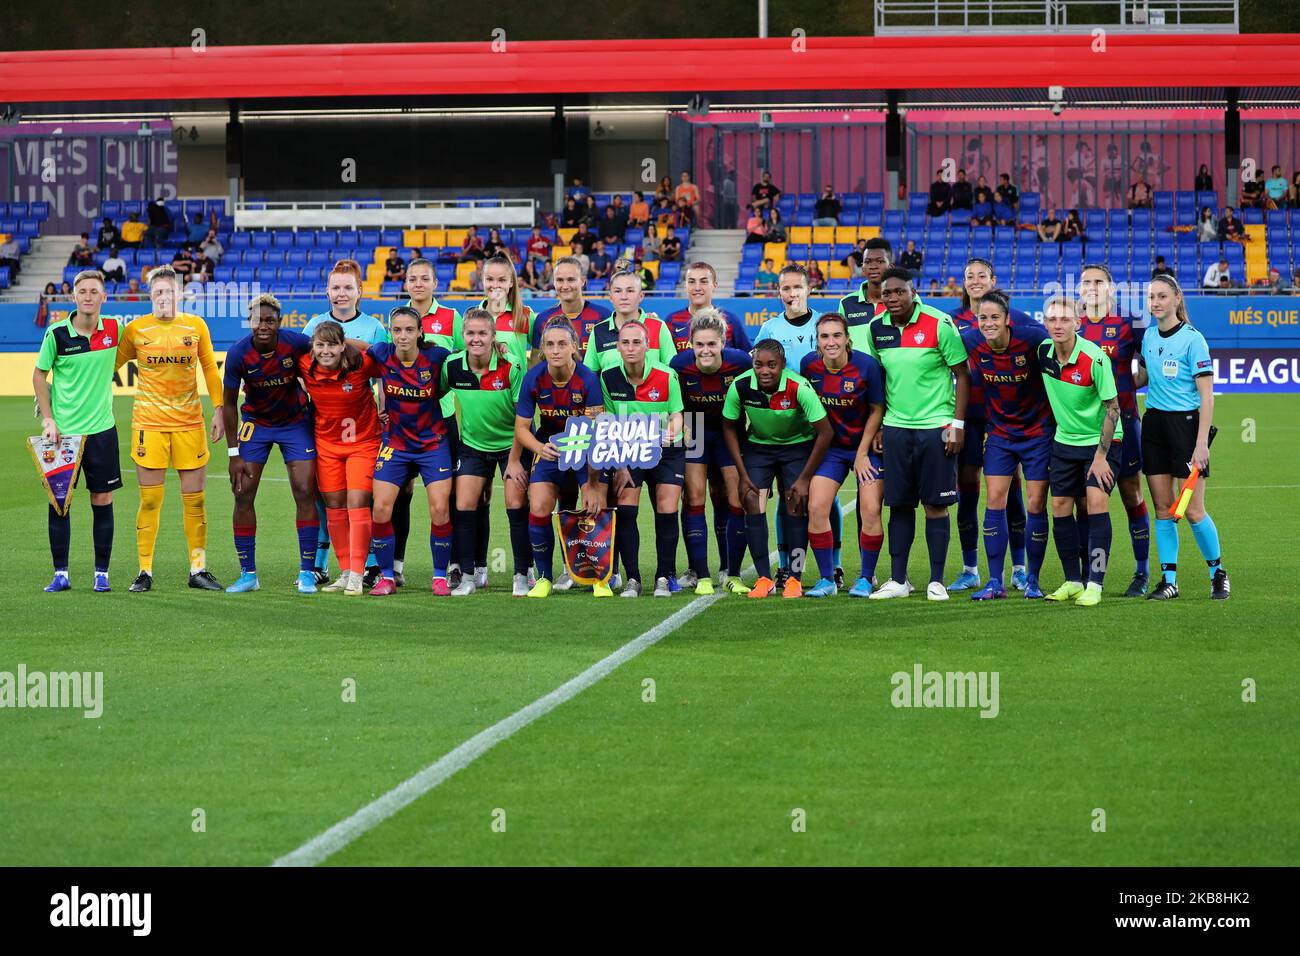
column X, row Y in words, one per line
column 822, row 234
column 374, row 274
column 868, row 232
column 434, row 238
column 653, row 266
column 840, row 271
column 799, row 235
column 566, row 235
column 382, row 253
column 558, row 252
column 413, row 238
column 774, row 251
column 454, row 238
column 370, row 288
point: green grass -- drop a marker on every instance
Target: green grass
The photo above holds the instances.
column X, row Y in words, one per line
column 233, row 704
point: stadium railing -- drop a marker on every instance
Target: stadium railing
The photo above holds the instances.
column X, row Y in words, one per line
column 412, row 215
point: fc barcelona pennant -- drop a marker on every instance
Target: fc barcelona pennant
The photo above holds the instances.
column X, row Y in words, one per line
column 587, row 544
column 57, row 463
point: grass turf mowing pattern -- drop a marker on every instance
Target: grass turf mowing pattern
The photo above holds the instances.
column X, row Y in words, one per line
column 236, row 707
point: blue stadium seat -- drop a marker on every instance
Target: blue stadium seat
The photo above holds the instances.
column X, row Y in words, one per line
column 838, row 285
column 133, row 206
column 261, row 240
column 390, row 237
column 1164, row 199
column 286, row 275
column 39, row 211
column 9, row 225
column 797, row 253
column 275, row 257
column 223, row 273
column 981, row 236
column 4, row 210
column 1141, row 221
column 4, row 277
column 240, row 240
column 787, row 203
column 296, row 258
column 803, row 217
column 1185, row 200
column 245, row 273
column 852, row 200
column 192, row 208
column 1207, row 198
column 870, row 217
column 849, row 217
column 819, row 251
column 1276, row 220
column 320, row 257
column 304, row 240
column 1252, row 216
column 960, row 218
column 1164, row 219
column 873, row 200
column 1029, row 206
column 751, row 252
column 368, row 238
column 282, row 238
column 249, row 257
column 18, row 210
column 670, row 272
column 894, row 219
column 597, row 285
column 29, row 227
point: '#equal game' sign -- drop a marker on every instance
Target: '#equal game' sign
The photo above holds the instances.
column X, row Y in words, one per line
column 57, row 464
column 610, row 441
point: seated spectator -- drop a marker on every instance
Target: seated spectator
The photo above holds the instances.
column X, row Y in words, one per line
column 764, row 194
column 665, row 190
column 569, row 218
column 620, row 210
column 585, row 238
column 1216, row 274
column 611, row 227
column 539, row 247
column 639, row 213
column 935, row 290
column 755, row 227
column 775, row 226
column 471, row 247
column 133, row 231
column 212, row 247
column 766, row 276
column 1049, row 230
column 1004, row 211
column 577, row 192
column 203, row 267
column 9, row 253
column 114, row 267
column 601, row 265
column 43, row 304
column 133, row 291
column 983, row 191
column 650, row 243
column 183, row 263
column 981, row 210
column 1226, row 284
column 1295, row 281
column 544, row 275
column 476, row 277
column 664, row 212
column 1162, row 269
column 1273, row 283
column 575, row 250
column 1207, row 230
column 1072, row 229
column 1230, row 228
column 1293, row 194
column 494, row 246
column 395, row 268
column 940, row 196
column 963, row 196
column 854, row 259
column 1204, row 182
column 82, row 254
column 951, row 288
column 160, row 223
column 198, row 231
column 65, row 289
column 1275, row 188
column 588, row 212
column 827, row 210
column 1010, row 194
column 529, row 278
column 108, row 235
column 1140, row 195
column 1252, row 192
column 911, row 258
column 688, row 193
column 816, row 280
column 670, row 249
column 685, row 215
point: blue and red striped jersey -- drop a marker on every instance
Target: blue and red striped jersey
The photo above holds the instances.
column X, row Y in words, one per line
column 552, row 403
column 411, row 394
column 965, row 319
column 679, row 324
column 1015, row 399
column 272, row 395
column 592, row 314
column 703, row 394
column 1122, row 343
column 847, row 394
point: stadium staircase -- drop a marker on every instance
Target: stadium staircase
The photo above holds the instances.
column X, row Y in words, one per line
column 43, row 264
column 721, row 249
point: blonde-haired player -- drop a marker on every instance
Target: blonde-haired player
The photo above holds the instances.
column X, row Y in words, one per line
column 167, row 427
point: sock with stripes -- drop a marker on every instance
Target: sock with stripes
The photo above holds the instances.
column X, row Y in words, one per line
column 308, row 542
column 322, row 560
column 823, row 549
column 869, row 546
column 1167, row 548
column 440, row 547
column 1207, row 539
column 246, row 547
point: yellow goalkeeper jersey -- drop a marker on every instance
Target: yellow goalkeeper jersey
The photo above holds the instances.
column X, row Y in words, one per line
column 168, row 354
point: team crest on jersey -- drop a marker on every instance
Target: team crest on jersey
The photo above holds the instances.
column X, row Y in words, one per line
column 575, row 398
column 848, row 385
column 1020, row 360
column 347, row 386
column 784, row 403
column 187, row 341
column 108, row 340
column 918, row 338
column 436, row 327
column 425, row 375
column 1075, row 377
column 653, row 394
column 497, row 384
column 1111, row 331
column 287, row 361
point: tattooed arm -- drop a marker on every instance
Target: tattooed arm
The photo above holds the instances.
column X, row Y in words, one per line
column 1100, row 468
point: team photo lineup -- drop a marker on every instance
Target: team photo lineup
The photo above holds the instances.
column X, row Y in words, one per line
column 912, row 401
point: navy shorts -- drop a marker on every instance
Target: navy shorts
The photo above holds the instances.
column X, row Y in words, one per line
column 711, row 451
column 1002, row 455
column 296, row 441
column 481, row 464
column 919, row 471
column 972, row 453
column 1168, row 441
column 568, row 480
column 671, row 470
column 100, row 463
column 763, row 463
column 1130, row 462
column 838, row 463
column 1070, row 464
column 397, row 467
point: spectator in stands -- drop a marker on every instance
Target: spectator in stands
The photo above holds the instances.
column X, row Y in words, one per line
column 1140, row 195
column 639, row 213
column 198, row 231
column 1252, row 191
column 620, row 209
column 108, row 235
column 1162, row 269
column 664, row 212
column 1072, row 229
column 395, row 268
column 685, row 217
column 670, row 249
column 50, row 292
column 983, row 191
column 133, row 292
column 585, row 238
column 602, row 264
column 610, row 233
column 764, row 194
column 538, row 248
column 133, row 231
column 82, row 254
column 981, row 210
column 494, row 246
column 476, row 277
column 755, row 227
column 951, row 288
column 160, row 223
column 766, row 276
column 202, row 267
column 577, row 192
column 1010, row 194
column 963, row 196
column 940, row 196
column 1049, row 230
column 212, row 247
column 1226, row 284
column 1215, row 274
column 589, row 212
column 1293, row 194
column 688, row 192
column 471, row 247
column 9, row 253
column 1004, row 211
column 530, row 278
column 1204, row 182
column 575, row 249
column 1230, row 228
column 183, row 263
column 854, row 259
column 647, row 279
column 1207, row 230
column 569, row 218
column 826, row 212
column 935, row 291
column 727, row 196
column 816, row 279
column 911, row 258
column 1295, row 281
column 1272, row 283
column 664, row 190
column 114, row 267
column 775, row 226
column 650, row 243
column 1275, row 187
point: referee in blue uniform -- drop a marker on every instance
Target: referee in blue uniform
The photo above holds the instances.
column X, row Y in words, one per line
column 1175, row 366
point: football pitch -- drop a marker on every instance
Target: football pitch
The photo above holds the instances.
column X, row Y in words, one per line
column 749, row 733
